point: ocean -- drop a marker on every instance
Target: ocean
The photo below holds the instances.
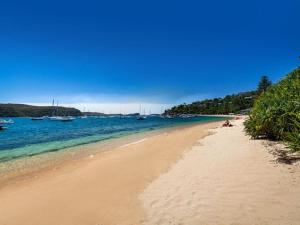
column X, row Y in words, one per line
column 27, row 138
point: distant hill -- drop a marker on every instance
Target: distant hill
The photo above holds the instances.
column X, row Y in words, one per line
column 22, row 110
column 235, row 103
column 229, row 104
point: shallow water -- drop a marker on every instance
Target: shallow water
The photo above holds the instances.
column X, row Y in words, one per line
column 27, row 138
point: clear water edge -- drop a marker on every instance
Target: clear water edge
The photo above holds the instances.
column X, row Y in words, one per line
column 42, row 155
column 21, row 167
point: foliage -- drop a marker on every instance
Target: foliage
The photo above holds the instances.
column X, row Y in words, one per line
column 21, row 110
column 263, row 85
column 229, row 104
column 276, row 113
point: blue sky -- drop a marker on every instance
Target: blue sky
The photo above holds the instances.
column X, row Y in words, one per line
column 92, row 53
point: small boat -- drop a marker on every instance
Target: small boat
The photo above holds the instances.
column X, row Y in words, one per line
column 169, row 117
column 37, row 118
column 83, row 117
column 141, row 117
column 67, row 119
column 55, row 118
column 62, row 118
column 2, row 128
column 10, row 121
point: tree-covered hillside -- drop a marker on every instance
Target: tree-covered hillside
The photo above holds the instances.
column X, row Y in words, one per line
column 229, row 104
column 21, row 110
column 235, row 103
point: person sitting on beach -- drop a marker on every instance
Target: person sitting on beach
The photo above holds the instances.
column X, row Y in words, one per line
column 227, row 124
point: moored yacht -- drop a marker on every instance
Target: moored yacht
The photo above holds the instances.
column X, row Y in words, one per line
column 37, row 118
column 2, row 127
column 59, row 118
column 67, row 119
column 141, row 117
column 10, row 121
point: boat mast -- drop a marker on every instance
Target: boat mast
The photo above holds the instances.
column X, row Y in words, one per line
column 57, row 107
column 140, row 109
column 53, row 108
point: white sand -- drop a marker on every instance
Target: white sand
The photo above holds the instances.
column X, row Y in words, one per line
column 226, row 179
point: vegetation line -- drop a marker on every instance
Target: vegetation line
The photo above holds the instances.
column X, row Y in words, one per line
column 236, row 103
column 276, row 113
column 274, row 110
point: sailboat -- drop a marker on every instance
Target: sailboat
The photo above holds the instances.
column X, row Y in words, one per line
column 84, row 115
column 37, row 118
column 55, row 109
column 67, row 119
column 10, row 121
column 140, row 117
column 2, row 128
column 62, row 118
column 59, row 118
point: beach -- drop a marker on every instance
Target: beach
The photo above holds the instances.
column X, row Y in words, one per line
column 198, row 174
column 226, row 179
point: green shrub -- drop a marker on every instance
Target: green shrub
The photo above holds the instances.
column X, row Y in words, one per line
column 276, row 113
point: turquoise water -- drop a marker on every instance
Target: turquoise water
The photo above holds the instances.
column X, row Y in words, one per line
column 26, row 138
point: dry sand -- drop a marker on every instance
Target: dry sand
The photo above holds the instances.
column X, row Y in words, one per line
column 226, row 179
column 98, row 190
column 176, row 177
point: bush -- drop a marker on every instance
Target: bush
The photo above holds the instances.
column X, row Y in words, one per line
column 276, row 113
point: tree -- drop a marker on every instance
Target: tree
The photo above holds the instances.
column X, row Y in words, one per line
column 263, row 85
column 276, row 113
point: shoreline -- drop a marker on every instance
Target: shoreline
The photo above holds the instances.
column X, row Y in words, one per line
column 102, row 189
column 199, row 174
column 226, row 179
column 40, row 148
column 25, row 168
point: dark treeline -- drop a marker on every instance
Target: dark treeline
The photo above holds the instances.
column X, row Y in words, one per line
column 229, row 104
column 21, row 110
column 236, row 103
